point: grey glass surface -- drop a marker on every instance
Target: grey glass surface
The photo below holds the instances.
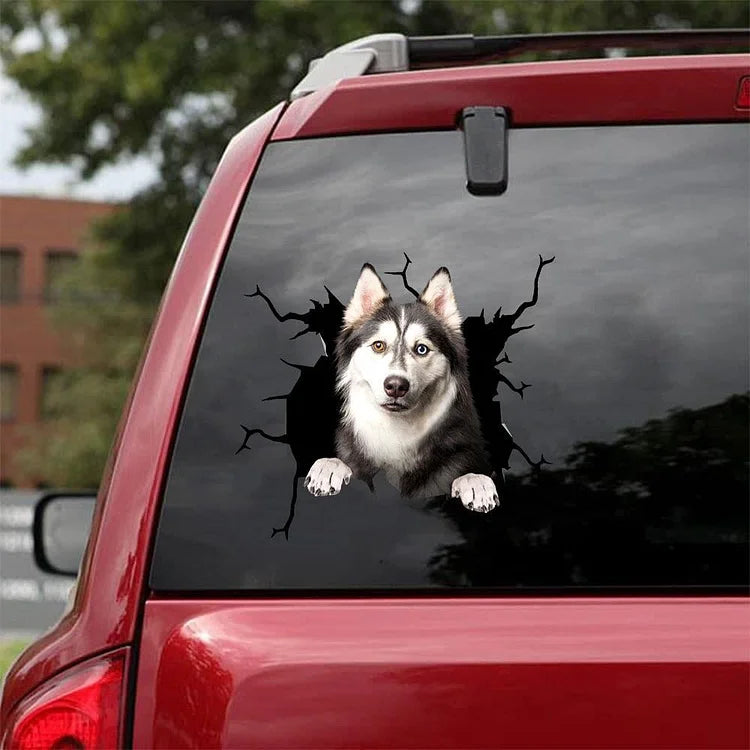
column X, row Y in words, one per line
column 643, row 311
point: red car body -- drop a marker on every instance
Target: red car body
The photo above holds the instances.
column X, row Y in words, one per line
column 389, row 672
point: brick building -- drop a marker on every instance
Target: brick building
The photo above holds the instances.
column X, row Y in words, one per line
column 39, row 239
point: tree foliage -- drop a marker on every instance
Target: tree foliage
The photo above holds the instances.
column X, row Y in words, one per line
column 174, row 81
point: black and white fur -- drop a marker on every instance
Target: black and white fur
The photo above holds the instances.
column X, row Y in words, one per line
column 407, row 406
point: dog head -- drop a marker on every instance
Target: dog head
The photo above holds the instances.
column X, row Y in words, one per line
column 400, row 357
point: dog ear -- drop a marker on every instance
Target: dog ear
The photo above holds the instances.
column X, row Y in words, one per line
column 369, row 294
column 438, row 296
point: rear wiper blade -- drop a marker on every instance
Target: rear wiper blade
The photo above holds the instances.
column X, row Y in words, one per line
column 426, row 50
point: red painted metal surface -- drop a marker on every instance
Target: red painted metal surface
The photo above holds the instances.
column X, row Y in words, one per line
column 642, row 90
column 111, row 585
column 577, row 673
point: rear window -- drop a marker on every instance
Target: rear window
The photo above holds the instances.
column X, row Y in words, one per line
column 612, row 380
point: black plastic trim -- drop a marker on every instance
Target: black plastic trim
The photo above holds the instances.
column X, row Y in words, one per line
column 498, row 592
column 426, row 50
column 486, row 149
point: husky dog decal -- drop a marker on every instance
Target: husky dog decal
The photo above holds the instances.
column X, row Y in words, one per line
column 407, row 408
column 317, row 415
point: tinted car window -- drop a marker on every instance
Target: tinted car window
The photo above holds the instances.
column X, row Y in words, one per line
column 627, row 401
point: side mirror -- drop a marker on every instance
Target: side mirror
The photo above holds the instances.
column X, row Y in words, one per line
column 61, row 530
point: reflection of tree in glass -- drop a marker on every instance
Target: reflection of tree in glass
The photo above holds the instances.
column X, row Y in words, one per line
column 313, row 399
column 664, row 504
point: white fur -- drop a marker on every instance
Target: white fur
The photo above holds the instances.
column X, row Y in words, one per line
column 369, row 367
column 476, row 491
column 327, row 476
column 392, row 440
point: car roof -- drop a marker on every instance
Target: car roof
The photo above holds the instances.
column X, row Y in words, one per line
column 389, row 53
column 637, row 90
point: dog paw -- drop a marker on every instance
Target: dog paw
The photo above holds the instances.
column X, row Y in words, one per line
column 327, row 476
column 476, row 491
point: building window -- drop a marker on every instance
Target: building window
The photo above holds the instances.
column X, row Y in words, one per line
column 49, row 407
column 8, row 392
column 10, row 275
column 57, row 264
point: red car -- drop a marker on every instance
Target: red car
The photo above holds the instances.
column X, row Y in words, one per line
column 593, row 215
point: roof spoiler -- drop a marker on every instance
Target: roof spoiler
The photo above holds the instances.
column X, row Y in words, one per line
column 390, row 53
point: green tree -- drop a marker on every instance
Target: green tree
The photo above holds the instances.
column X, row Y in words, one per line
column 174, row 81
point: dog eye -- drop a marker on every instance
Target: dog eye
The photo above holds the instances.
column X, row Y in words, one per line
column 421, row 349
column 378, row 347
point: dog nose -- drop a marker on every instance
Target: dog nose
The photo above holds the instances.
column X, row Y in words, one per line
column 396, row 386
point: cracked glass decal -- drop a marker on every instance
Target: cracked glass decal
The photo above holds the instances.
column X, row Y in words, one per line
column 311, row 435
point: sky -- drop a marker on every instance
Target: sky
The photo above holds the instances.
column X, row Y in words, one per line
column 17, row 113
